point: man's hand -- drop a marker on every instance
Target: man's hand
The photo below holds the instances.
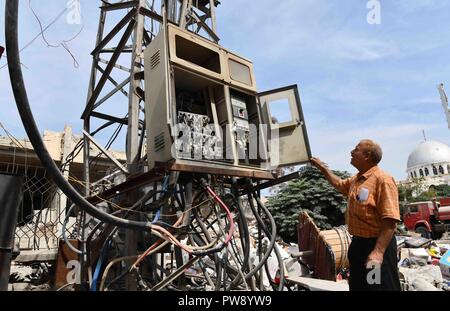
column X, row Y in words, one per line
column 375, row 258
column 318, row 163
column 387, row 232
column 333, row 179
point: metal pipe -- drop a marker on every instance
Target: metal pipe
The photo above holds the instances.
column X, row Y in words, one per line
column 10, row 198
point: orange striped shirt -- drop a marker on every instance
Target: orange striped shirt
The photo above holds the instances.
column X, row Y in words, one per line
column 372, row 197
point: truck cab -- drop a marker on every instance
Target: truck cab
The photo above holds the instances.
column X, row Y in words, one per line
column 427, row 218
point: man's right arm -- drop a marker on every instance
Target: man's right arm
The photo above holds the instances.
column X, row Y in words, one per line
column 334, row 180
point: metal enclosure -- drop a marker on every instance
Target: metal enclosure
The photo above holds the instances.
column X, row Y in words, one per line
column 289, row 139
column 202, row 106
column 157, row 106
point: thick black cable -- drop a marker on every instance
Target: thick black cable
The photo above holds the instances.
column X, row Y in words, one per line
column 20, row 94
column 266, row 231
column 245, row 242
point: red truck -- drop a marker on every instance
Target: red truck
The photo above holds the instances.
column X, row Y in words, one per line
column 430, row 218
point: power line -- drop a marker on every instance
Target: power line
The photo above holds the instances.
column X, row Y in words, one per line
column 42, row 31
column 63, row 43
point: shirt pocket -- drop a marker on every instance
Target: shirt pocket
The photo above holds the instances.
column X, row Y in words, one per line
column 365, row 209
column 363, row 196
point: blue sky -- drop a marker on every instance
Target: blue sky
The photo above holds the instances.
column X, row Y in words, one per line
column 356, row 80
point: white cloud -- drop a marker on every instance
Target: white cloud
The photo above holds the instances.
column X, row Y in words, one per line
column 302, row 29
column 355, row 47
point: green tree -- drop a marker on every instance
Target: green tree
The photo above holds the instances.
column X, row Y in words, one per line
column 427, row 195
column 405, row 193
column 441, row 190
column 311, row 193
column 414, row 191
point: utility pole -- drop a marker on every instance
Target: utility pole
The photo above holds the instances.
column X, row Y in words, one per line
column 139, row 25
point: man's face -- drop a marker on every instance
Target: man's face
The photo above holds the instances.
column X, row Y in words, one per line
column 359, row 156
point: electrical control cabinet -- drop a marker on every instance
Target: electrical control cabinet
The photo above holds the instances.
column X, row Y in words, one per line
column 202, row 108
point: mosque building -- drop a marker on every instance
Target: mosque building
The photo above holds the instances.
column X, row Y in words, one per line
column 430, row 160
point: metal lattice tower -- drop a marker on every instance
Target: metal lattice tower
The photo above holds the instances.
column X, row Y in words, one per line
column 124, row 42
column 138, row 22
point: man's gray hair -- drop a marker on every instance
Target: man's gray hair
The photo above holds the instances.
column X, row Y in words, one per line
column 376, row 154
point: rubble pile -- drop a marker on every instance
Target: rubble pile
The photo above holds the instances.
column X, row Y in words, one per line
column 30, row 277
column 424, row 264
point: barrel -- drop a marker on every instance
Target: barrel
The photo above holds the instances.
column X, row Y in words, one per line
column 338, row 239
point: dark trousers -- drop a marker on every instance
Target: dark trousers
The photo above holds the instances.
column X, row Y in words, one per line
column 363, row 279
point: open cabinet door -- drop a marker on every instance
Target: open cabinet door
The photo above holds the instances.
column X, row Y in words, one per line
column 288, row 139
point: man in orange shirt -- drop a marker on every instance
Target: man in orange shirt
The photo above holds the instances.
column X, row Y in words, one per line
column 372, row 215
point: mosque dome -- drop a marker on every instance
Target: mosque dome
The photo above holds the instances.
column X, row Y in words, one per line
column 429, row 153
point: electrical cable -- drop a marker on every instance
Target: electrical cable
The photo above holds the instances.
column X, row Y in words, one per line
column 272, row 239
column 223, row 257
column 39, row 34
column 245, row 241
column 65, row 286
column 208, row 237
column 20, row 94
column 130, row 269
column 11, row 34
column 277, row 252
column 63, row 44
column 99, row 267
column 263, row 226
column 108, row 267
column 64, row 235
column 225, row 208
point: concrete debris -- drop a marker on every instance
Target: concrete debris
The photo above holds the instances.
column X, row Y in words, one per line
column 36, row 256
column 36, row 275
column 422, row 285
column 21, row 287
column 424, row 278
column 315, row 285
column 424, row 268
column 20, row 273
